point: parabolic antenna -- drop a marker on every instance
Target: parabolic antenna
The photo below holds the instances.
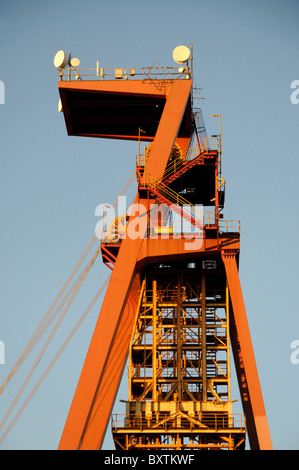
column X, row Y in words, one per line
column 181, row 54
column 75, row 62
column 61, row 59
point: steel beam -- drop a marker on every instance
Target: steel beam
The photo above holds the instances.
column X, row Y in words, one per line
column 82, row 429
column 249, row 384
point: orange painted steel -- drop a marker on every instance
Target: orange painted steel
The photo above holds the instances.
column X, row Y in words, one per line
column 78, row 432
column 75, row 434
column 249, row 384
column 100, row 410
column 136, row 87
column 97, row 387
column 80, row 113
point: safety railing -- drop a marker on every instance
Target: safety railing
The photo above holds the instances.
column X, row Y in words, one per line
column 180, row 228
column 167, row 192
column 208, row 421
column 177, row 230
column 211, row 143
column 124, row 73
column 178, row 204
column 229, row 226
column 207, row 143
column 140, row 161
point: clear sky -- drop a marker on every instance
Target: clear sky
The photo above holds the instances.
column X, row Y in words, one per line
column 245, row 58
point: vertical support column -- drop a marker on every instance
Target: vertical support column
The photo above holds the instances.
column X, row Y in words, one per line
column 227, row 342
column 216, row 194
column 203, row 338
column 250, row 389
column 134, row 337
column 154, row 350
column 179, row 338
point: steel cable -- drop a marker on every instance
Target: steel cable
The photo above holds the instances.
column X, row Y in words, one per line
column 78, row 284
column 47, row 320
column 45, row 323
column 54, row 360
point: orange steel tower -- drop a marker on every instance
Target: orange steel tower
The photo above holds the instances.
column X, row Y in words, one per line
column 174, row 303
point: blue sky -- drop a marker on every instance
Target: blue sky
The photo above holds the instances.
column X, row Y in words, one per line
column 245, row 58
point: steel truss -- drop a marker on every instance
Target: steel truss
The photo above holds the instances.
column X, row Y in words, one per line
column 179, row 365
column 166, row 304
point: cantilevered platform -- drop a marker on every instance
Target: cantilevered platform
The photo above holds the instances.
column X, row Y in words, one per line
column 117, row 109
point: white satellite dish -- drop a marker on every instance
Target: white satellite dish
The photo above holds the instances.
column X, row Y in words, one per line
column 61, row 59
column 181, row 54
column 75, row 62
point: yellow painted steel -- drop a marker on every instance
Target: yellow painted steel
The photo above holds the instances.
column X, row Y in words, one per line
column 179, row 369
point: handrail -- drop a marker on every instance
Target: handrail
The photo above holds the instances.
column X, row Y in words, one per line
column 204, row 145
column 126, row 73
column 174, row 227
column 174, row 197
column 229, row 226
column 205, row 219
column 209, row 420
